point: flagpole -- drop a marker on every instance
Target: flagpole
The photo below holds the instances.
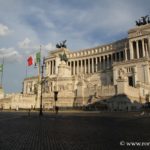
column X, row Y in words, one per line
column 2, row 73
column 40, row 77
column 26, row 69
column 39, row 66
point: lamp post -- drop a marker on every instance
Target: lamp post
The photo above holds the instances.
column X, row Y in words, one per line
column 55, row 99
column 41, row 96
column 42, row 82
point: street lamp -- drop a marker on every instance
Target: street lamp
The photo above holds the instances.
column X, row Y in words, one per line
column 42, row 82
column 41, row 96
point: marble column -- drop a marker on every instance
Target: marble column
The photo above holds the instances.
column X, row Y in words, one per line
column 51, row 67
column 137, row 49
column 143, row 49
column 125, row 51
column 96, row 64
column 146, row 50
column 89, row 65
column 81, row 66
column 48, row 68
column 92, row 66
column 131, row 49
column 100, row 63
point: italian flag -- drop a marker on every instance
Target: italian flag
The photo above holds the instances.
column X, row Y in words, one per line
column 34, row 59
column 30, row 61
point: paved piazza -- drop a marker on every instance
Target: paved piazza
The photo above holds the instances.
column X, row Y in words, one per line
column 72, row 131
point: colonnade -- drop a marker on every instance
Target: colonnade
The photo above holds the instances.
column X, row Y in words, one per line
column 139, row 48
column 95, row 64
column 51, row 67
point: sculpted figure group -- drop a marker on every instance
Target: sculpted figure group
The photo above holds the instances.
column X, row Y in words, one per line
column 143, row 20
column 62, row 44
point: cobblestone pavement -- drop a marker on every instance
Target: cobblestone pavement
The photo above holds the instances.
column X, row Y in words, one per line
column 75, row 131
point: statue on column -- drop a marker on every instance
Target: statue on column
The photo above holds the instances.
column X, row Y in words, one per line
column 63, row 57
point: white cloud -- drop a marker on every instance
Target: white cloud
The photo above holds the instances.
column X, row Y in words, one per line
column 10, row 55
column 4, row 30
column 30, row 47
column 25, row 43
column 27, row 46
column 49, row 46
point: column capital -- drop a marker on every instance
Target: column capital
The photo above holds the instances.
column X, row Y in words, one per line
column 125, row 53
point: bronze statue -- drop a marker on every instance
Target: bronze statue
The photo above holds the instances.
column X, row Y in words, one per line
column 138, row 23
column 148, row 20
column 63, row 57
column 62, row 44
column 143, row 20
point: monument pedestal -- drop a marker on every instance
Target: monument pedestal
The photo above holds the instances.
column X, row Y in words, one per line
column 121, row 86
column 64, row 70
column 80, row 100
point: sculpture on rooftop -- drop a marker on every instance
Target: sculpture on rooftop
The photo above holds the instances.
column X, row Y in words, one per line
column 143, row 20
column 62, row 44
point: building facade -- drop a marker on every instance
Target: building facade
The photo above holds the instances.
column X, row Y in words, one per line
column 95, row 74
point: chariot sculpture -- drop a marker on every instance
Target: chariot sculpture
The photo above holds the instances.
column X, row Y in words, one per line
column 143, row 20
column 62, row 44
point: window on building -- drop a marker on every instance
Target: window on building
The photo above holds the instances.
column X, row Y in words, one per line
column 130, row 81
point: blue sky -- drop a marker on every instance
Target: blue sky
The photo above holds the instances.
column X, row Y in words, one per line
column 27, row 24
